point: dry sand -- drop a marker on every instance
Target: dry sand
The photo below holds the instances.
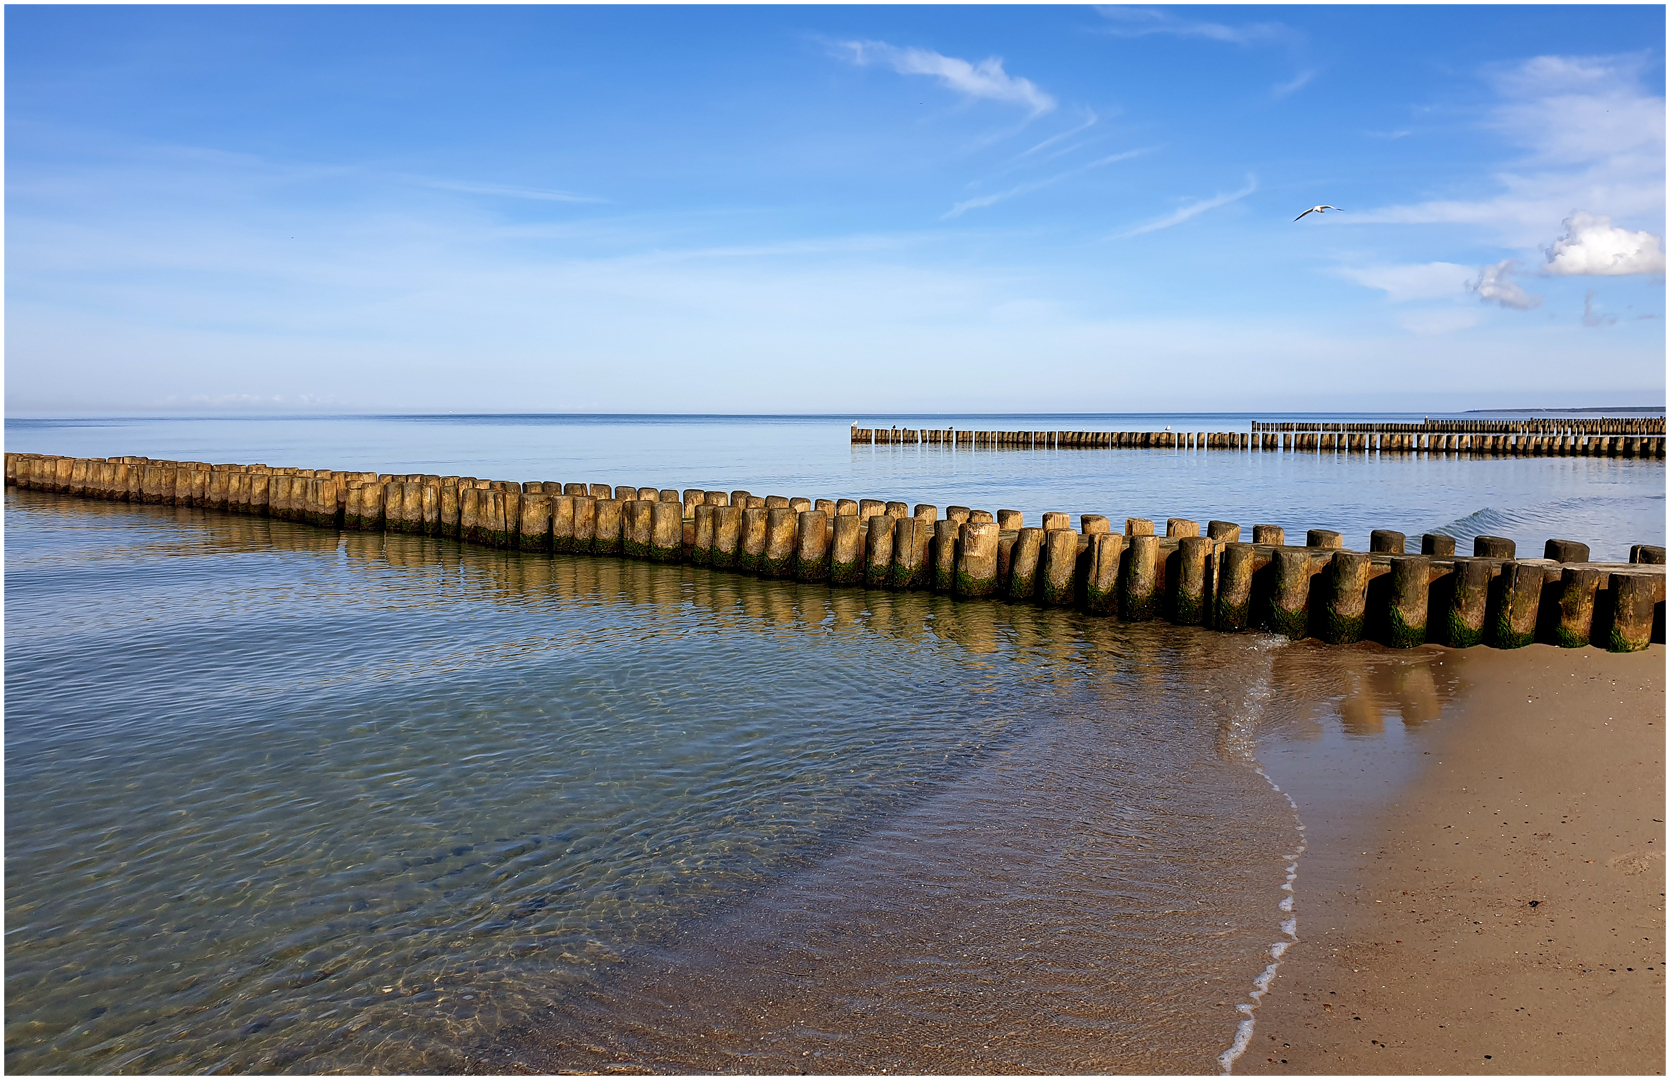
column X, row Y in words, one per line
column 1506, row 913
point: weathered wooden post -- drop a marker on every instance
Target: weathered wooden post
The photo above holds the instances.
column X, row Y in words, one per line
column 1324, row 538
column 1023, row 563
column 1407, row 600
column 1191, row 602
column 1139, row 578
column 637, row 525
column 1346, row 598
column 1101, row 581
column 1469, row 600
column 751, row 557
column 1139, row 527
column 944, row 555
column 1438, row 545
column 727, row 536
column 666, row 536
column 1634, row 596
column 1233, row 602
column 1492, row 547
column 1515, row 622
column 611, row 519
column 977, row 559
column 846, row 560
column 1056, row 565
column 1386, row 541
column 1290, row 601
column 563, row 524
column 1181, row 527
column 811, row 560
column 1273, row 535
column 535, row 533
column 1578, row 585
column 781, row 540
column 1566, row 551
column 878, row 551
column 1227, row 531
column 703, row 554
column 585, row 524
column 912, row 541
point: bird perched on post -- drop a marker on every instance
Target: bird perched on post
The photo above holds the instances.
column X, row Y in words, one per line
column 1318, row 210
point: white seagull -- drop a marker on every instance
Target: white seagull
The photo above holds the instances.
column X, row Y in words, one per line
column 1318, row 210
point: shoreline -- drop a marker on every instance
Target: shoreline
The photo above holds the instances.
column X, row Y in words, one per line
column 1502, row 913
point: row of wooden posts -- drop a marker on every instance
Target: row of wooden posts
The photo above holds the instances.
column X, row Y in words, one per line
column 1212, row 579
column 1548, row 425
column 1318, row 442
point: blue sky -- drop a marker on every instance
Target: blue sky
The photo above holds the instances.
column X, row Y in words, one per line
column 835, row 209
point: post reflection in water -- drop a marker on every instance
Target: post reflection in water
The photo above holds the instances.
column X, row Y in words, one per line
column 370, row 801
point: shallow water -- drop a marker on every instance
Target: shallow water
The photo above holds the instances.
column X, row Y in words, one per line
column 285, row 800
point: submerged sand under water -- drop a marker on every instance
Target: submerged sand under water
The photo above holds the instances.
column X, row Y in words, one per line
column 404, row 806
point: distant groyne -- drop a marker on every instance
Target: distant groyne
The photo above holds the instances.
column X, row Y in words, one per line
column 1189, row 575
column 1597, row 437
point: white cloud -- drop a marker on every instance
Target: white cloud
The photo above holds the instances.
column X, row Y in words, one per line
column 1592, row 245
column 986, row 79
column 1589, row 136
column 1422, row 281
column 1184, row 213
column 1495, row 284
column 1141, row 22
column 1035, row 185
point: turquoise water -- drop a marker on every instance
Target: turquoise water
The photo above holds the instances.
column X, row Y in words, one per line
column 285, row 800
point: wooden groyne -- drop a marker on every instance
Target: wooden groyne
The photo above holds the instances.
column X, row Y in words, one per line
column 1633, row 438
column 1209, row 577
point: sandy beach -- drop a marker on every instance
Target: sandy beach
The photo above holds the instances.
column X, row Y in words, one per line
column 1505, row 912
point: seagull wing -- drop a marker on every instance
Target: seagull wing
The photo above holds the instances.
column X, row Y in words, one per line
column 1312, row 210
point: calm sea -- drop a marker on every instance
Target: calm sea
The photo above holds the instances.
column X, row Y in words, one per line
column 282, row 800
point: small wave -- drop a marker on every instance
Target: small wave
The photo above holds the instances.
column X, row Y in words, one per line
column 1593, row 518
column 1239, row 740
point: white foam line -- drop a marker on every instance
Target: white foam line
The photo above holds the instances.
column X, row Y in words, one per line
column 1289, row 927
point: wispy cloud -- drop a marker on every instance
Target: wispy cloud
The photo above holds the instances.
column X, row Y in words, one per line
column 1143, row 21
column 1090, row 119
column 1194, row 209
column 503, row 191
column 1495, row 285
column 1035, row 185
column 1298, row 82
column 1588, row 134
column 986, row 79
column 1423, row 281
column 1593, row 318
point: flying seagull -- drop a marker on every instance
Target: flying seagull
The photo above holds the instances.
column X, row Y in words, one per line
column 1318, row 210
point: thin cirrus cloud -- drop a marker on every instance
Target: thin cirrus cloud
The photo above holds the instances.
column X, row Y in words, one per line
column 1586, row 132
column 984, row 80
column 503, row 191
column 1090, row 120
column 1133, row 22
column 1293, row 85
column 1035, row 185
column 1192, row 210
column 1421, row 281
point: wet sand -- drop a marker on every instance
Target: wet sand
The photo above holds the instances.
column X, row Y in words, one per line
column 1505, row 912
